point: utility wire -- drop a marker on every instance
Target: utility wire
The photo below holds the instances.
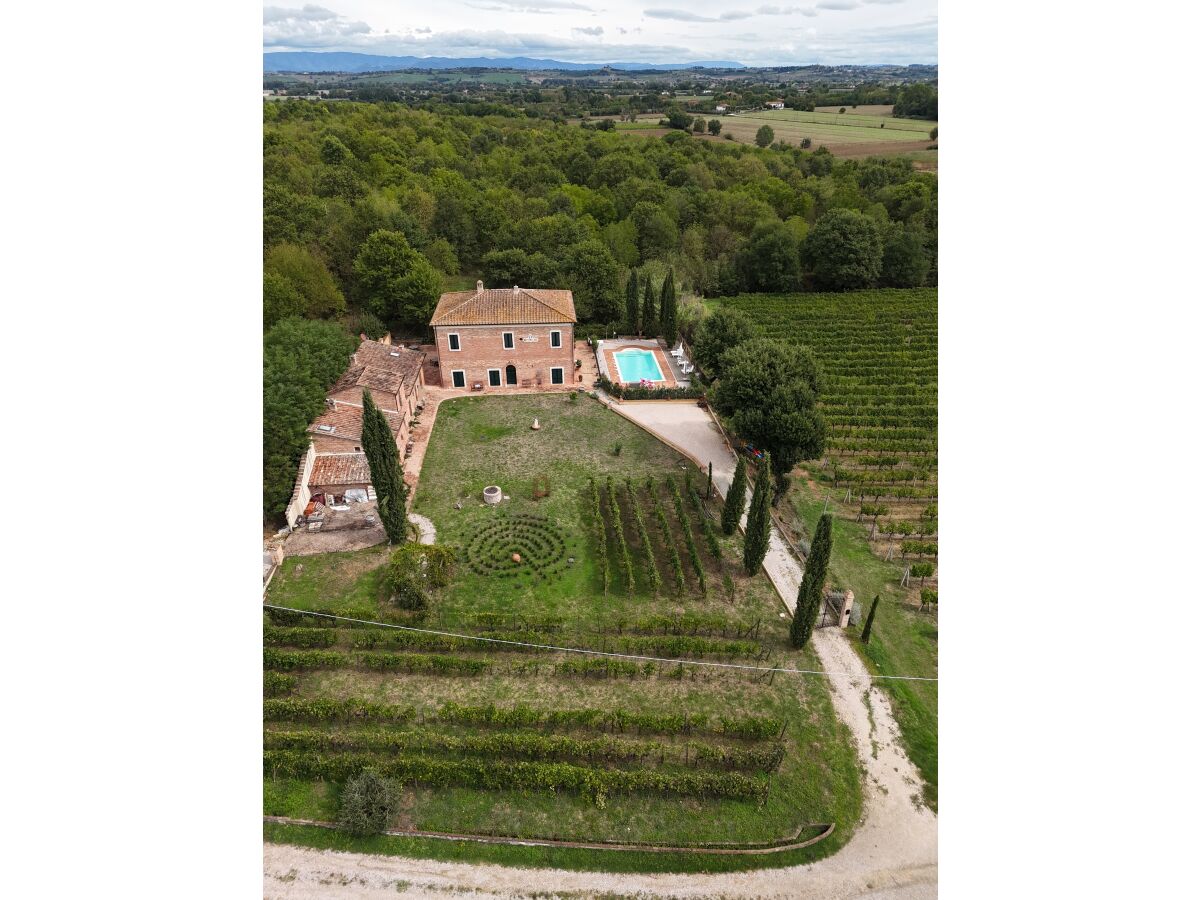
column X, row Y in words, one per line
column 682, row 662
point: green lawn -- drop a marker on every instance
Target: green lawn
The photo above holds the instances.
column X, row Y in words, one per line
column 483, row 441
column 903, row 640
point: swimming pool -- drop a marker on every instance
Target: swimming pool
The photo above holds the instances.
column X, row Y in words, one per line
column 637, row 365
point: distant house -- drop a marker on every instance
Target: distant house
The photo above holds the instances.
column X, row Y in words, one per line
column 775, row 104
column 335, row 462
column 720, row 107
column 498, row 338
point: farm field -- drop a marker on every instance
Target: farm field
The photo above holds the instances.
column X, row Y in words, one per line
column 846, row 141
column 832, row 128
column 539, row 743
column 875, row 109
column 878, row 350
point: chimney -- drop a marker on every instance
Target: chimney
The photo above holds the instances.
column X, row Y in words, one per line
column 479, row 287
column 516, row 290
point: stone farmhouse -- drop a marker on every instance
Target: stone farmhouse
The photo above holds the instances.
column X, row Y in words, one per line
column 497, row 339
column 335, row 463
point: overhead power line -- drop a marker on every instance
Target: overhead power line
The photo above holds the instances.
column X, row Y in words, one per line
column 683, row 662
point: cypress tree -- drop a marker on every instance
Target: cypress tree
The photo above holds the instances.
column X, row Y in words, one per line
column 631, row 303
column 708, row 490
column 758, row 522
column 866, row 635
column 812, row 586
column 735, row 501
column 668, row 310
column 649, row 313
column 391, row 493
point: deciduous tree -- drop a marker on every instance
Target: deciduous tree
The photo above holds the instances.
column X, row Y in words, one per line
column 309, row 276
column 769, row 390
column 765, row 136
column 843, row 251
column 394, row 281
column 718, row 332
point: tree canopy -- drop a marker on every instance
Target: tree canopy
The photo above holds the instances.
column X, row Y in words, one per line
column 395, row 282
column 768, row 390
column 722, row 330
column 844, row 251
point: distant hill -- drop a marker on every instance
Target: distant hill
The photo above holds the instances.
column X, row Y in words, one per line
column 288, row 61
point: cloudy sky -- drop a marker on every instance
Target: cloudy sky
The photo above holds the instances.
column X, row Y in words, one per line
column 754, row 33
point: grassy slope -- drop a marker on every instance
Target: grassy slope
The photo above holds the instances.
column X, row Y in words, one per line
column 903, row 641
column 483, row 441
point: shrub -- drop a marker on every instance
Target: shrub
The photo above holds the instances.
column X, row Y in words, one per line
column 369, row 803
column 415, row 570
column 276, row 684
column 299, row 637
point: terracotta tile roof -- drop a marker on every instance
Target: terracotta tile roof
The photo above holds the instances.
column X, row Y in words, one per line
column 346, row 422
column 381, row 367
column 505, row 306
column 340, row 468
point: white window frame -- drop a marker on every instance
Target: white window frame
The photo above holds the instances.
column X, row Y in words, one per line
column 457, row 340
column 463, row 373
column 554, row 346
column 499, row 377
column 511, row 336
column 562, row 374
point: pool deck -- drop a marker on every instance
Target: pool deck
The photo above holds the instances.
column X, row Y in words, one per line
column 608, row 365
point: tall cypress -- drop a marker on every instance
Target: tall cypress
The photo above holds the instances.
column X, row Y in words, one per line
column 708, row 490
column 866, row 635
column 758, row 521
column 391, row 493
column 631, row 303
column 735, row 500
column 812, row 586
column 649, row 313
column 669, row 310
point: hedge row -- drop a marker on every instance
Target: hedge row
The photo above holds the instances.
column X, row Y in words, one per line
column 288, row 661
column 299, row 637
column 637, row 392
column 614, row 510
column 688, row 539
column 276, row 684
column 520, row 776
column 323, row 710
column 672, row 646
column 597, row 719
column 601, row 537
column 489, row 621
column 661, row 515
column 706, row 525
column 648, row 565
column 526, row 745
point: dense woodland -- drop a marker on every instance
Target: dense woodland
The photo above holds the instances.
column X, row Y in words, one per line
column 371, row 210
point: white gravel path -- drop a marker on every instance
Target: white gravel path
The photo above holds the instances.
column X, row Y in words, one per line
column 892, row 855
column 427, row 528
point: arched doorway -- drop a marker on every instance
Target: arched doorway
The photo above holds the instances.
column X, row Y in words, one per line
column 510, row 375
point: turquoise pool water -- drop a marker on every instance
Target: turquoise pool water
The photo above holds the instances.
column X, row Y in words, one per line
column 634, row 365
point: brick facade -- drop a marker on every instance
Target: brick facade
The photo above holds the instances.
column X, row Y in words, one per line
column 482, row 349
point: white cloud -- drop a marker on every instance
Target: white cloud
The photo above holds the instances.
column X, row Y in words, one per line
column 768, row 32
column 309, row 26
